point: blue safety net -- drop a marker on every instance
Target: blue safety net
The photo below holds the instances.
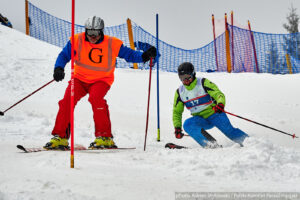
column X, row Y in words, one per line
column 262, row 53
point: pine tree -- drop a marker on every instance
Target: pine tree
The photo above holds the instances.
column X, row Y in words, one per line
column 292, row 41
column 273, row 61
column 293, row 21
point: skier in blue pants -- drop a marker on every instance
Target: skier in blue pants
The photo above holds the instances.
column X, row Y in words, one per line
column 206, row 104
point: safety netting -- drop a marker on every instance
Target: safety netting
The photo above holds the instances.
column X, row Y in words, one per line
column 263, row 53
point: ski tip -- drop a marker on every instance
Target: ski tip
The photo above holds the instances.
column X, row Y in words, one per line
column 21, row 148
column 174, row 146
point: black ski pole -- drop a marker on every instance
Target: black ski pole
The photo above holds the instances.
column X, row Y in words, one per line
column 293, row 135
column 2, row 113
column 208, row 136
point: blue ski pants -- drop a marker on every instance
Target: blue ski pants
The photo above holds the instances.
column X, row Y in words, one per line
column 194, row 125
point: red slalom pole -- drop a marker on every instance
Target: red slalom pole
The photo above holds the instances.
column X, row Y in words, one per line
column 2, row 113
column 292, row 135
column 151, row 65
column 72, row 85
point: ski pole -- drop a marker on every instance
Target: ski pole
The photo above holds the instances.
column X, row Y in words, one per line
column 208, row 136
column 151, row 65
column 2, row 113
column 293, row 135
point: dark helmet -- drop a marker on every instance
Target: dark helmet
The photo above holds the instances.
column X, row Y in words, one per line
column 186, row 68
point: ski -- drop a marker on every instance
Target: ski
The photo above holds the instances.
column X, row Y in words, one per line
column 209, row 146
column 174, row 146
column 39, row 149
column 114, row 148
column 76, row 148
column 212, row 142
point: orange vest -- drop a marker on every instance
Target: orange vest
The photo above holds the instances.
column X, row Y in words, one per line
column 95, row 62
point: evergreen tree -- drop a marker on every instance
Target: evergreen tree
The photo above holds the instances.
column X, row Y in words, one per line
column 293, row 21
column 292, row 41
column 272, row 59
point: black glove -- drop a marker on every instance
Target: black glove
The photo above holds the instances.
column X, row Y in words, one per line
column 219, row 108
column 151, row 52
column 59, row 74
column 178, row 133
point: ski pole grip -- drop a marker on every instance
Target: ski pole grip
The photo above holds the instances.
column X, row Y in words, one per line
column 1, row 113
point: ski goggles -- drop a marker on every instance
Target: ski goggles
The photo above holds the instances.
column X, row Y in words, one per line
column 185, row 77
column 93, row 32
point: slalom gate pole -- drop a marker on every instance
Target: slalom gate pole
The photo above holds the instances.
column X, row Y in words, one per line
column 157, row 72
column 26, row 18
column 214, row 32
column 150, row 72
column 227, row 46
column 253, row 45
column 292, row 135
column 2, row 113
column 232, row 40
column 72, row 85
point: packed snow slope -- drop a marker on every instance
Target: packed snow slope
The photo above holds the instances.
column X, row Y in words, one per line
column 269, row 162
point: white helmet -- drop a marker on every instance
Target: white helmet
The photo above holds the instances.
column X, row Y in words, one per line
column 94, row 22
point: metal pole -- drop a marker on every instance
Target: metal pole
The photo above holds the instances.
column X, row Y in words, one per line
column 293, row 135
column 157, row 71
column 149, row 89
column 72, row 85
column 2, row 113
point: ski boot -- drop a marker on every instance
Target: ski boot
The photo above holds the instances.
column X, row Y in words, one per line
column 57, row 143
column 103, row 143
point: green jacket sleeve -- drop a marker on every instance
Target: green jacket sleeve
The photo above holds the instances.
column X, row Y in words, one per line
column 178, row 108
column 213, row 90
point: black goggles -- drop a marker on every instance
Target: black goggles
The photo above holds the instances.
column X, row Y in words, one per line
column 93, row 32
column 185, row 77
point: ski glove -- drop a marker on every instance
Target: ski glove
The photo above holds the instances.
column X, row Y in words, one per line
column 219, row 108
column 59, row 74
column 178, row 133
column 149, row 53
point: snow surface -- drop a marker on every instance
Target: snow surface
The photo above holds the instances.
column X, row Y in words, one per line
column 269, row 162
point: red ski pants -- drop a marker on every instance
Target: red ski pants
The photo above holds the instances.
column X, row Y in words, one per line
column 96, row 92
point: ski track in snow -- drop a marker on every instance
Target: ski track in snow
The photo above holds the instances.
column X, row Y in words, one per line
column 269, row 162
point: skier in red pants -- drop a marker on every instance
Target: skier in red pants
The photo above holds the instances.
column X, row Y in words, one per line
column 94, row 66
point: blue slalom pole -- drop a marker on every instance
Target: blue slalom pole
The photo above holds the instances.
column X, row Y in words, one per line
column 157, row 71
